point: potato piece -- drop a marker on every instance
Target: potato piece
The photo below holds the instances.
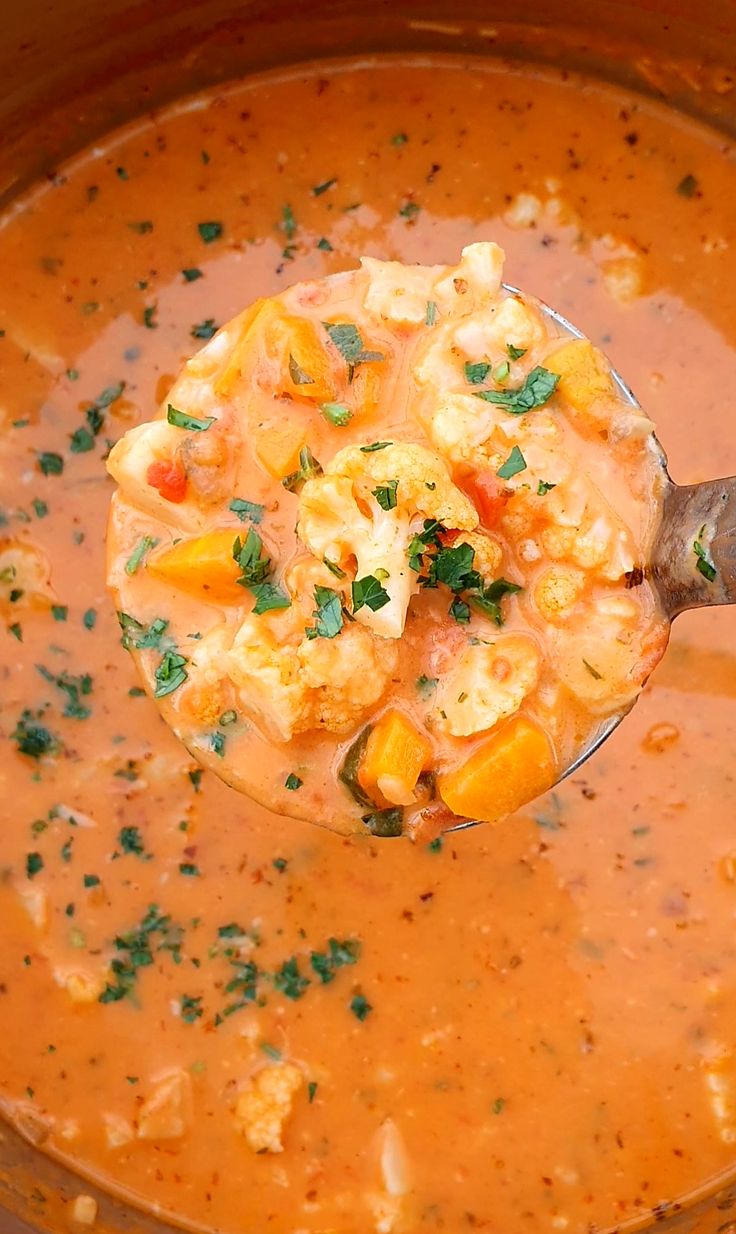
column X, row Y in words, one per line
column 204, row 566
column 166, row 1114
column 511, row 768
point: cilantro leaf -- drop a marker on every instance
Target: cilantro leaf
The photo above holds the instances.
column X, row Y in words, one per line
column 204, row 329
column 298, row 375
column 246, row 510
column 328, row 614
column 475, row 374
column 268, row 596
column 515, row 353
column 369, row 592
column 543, row 487
column 170, row 673
column 514, row 464
column 385, row 494
column 209, row 231
column 703, row 563
column 537, row 388
column 347, row 339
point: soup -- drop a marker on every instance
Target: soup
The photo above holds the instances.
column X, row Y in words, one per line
column 367, row 663
column 239, row 1021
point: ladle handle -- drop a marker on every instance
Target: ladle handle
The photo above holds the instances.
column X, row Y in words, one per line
column 694, row 555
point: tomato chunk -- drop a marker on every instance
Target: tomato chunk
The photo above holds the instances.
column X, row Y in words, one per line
column 170, row 480
column 487, row 495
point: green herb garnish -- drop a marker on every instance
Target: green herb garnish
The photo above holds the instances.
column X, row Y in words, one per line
column 537, row 388
column 513, row 465
column 385, row 494
column 328, row 619
column 181, row 419
column 369, row 592
column 170, row 673
column 308, row 467
column 210, row 231
column 247, row 511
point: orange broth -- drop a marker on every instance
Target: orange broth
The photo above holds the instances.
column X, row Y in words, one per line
column 544, row 1012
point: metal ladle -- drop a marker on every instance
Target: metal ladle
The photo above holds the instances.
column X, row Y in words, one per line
column 689, row 513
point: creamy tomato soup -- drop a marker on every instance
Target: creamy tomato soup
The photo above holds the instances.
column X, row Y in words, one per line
column 352, row 654
column 246, row 1023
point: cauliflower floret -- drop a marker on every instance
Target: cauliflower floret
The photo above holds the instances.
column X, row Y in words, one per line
column 487, row 553
column 489, row 682
column 291, row 683
column 557, row 590
column 467, row 430
column 473, row 282
column 263, row 1107
column 399, row 293
column 599, row 661
column 340, row 518
column 487, row 335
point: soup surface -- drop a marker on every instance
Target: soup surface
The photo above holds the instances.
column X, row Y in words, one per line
column 352, row 654
column 247, row 1023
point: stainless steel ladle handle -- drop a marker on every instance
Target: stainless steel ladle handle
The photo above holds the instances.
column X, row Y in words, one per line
column 693, row 558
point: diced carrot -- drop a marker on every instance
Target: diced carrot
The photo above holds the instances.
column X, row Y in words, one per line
column 277, row 445
column 306, row 367
column 487, row 495
column 509, row 769
column 583, row 371
column 365, row 390
column 243, row 354
column 169, row 478
column 395, row 755
column 203, row 566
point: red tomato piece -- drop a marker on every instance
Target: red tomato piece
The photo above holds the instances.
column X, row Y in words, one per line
column 487, row 495
column 170, row 480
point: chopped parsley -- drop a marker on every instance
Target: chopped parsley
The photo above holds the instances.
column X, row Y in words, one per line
column 385, row 823
column 181, row 419
column 385, row 495
column 136, row 634
column 50, row 464
column 191, row 274
column 409, row 210
column 289, row 981
column 34, row 864
column 308, row 467
column 33, row 739
column 311, row 1091
column 89, row 619
column 328, row 619
column 170, row 673
column 131, row 841
column 141, row 550
column 81, row 440
column 319, row 189
column 339, row 953
column 247, row 511
column 204, row 329
column 288, row 222
column 537, row 388
column 189, row 869
column 209, row 231
column 40, row 508
column 430, row 316
column 368, row 591
column 515, row 353
column 324, row 245
column 135, row 948
column 514, row 464
column 190, row 1008
column 543, row 487
column 337, row 414
column 347, row 339
column 376, row 445
column 74, row 688
column 360, row 1007
column 59, row 612
column 475, row 374
column 703, row 563
column 399, row 139
column 91, row 880
column 256, row 569
column 293, row 782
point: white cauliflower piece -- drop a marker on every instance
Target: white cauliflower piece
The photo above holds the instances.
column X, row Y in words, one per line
column 467, row 430
column 487, row 553
column 473, row 282
column 128, row 464
column 264, row 1106
column 290, row 683
column 487, row 335
column 341, row 519
column 489, row 683
column 599, row 660
column 399, row 293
